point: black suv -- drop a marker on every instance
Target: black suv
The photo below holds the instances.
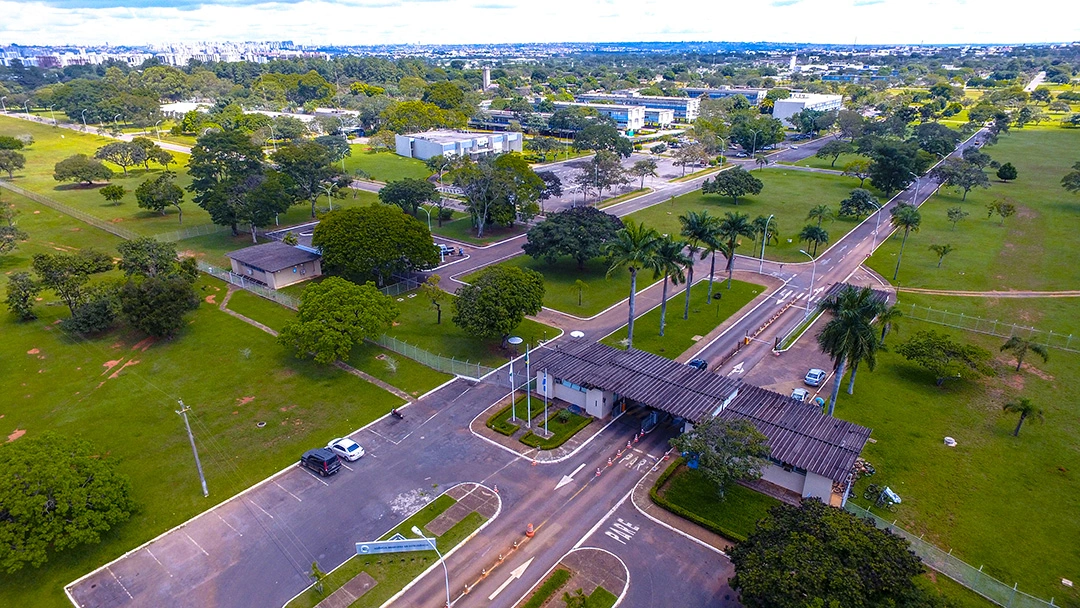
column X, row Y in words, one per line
column 321, row 461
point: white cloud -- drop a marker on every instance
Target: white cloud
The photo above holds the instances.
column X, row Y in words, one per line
column 492, row 21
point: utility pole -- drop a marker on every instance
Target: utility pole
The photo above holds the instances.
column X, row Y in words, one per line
column 198, row 465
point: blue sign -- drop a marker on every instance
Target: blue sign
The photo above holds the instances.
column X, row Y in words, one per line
column 393, row 546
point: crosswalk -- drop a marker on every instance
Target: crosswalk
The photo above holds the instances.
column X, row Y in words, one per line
column 786, row 295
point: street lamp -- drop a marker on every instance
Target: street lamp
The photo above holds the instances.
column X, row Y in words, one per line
column 877, row 224
column 753, row 146
column 346, row 138
column 424, row 209
column 157, row 130
column 446, row 573
column 26, row 104
column 273, row 138
column 513, row 341
column 915, row 200
column 2, row 104
column 813, row 274
column 329, row 201
column 116, row 124
column 764, row 237
column 84, row 128
column 53, row 115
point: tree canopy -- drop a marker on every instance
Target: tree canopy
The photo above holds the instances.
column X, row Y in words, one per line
column 335, row 315
column 374, row 242
column 81, row 168
column 945, row 358
column 734, row 182
column 579, row 233
column 409, row 193
column 160, row 193
column 725, row 451
column 498, row 300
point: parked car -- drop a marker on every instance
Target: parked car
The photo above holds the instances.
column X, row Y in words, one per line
column 815, row 377
column 346, row 448
column 800, row 394
column 445, row 249
column 700, row 364
column 321, row 461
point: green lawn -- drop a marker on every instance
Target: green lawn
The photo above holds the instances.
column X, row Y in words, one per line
column 679, row 334
column 417, row 326
column 392, row 572
column 550, row 586
column 788, row 194
column 826, row 163
column 561, row 432
column 392, row 368
column 462, row 230
column 1032, row 251
column 385, row 166
column 502, row 421
column 738, row 512
column 561, row 293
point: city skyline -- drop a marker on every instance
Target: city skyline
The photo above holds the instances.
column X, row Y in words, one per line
column 362, row 22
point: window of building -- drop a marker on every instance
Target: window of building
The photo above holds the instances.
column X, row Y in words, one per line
column 569, row 384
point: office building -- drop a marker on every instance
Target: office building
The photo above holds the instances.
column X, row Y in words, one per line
column 628, row 118
column 784, row 109
column 685, row 108
column 456, row 143
column 754, row 96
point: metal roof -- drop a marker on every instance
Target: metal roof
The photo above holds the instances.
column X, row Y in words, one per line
column 272, row 256
column 798, row 433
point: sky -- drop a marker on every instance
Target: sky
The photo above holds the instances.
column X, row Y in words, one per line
column 358, row 22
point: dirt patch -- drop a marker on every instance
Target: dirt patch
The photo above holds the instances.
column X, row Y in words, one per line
column 116, row 374
column 108, row 365
column 144, row 344
column 18, row 433
column 210, row 299
column 33, row 351
column 244, row 400
column 1026, row 213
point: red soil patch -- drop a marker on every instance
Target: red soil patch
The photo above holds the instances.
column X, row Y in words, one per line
column 36, row 212
column 116, row 374
column 245, row 400
column 33, row 351
column 210, row 299
column 18, row 433
column 108, row 365
column 144, row 344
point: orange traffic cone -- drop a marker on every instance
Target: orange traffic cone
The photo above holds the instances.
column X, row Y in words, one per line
column 529, row 532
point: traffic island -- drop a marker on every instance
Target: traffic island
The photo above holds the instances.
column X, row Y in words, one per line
column 512, row 428
column 596, row 575
column 370, row 581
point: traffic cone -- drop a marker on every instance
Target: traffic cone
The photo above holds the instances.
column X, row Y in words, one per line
column 609, row 462
column 628, row 444
column 597, row 471
column 496, row 490
column 529, row 532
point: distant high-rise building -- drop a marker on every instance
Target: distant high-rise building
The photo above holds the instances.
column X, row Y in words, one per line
column 487, row 78
column 791, row 64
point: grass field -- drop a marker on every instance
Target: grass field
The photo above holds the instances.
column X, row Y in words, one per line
column 384, row 166
column 788, row 194
column 679, row 334
column 1032, row 251
column 739, row 511
column 561, row 293
column 461, row 229
column 561, row 432
column 826, row 163
column 417, row 326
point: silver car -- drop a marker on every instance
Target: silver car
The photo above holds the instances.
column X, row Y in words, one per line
column 815, row 377
column 346, row 448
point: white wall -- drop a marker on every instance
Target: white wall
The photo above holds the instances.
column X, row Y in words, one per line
column 785, row 479
column 818, row 487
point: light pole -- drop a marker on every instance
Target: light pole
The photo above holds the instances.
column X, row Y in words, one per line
column 513, row 341
column 764, row 238
column 2, row 104
column 446, row 573
column 84, row 128
column 753, row 145
column 116, row 124
column 346, row 138
column 813, row 274
column 157, row 130
column 328, row 189
column 26, row 104
column 915, row 200
column 424, row 209
column 53, row 115
column 877, row 224
column 273, row 138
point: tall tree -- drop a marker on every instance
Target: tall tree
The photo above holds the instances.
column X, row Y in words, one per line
column 497, row 301
column 814, row 235
column 122, row 153
column 10, row 233
column 767, row 230
column 156, row 305
column 409, row 194
column 334, row 316
column 374, row 242
column 81, row 168
column 699, row 229
column 849, row 338
column 732, row 228
column 726, row 451
column 11, row 161
column 961, row 175
column 859, row 168
column 307, row 165
column 859, row 203
column 22, row 291
column 690, row 154
column 1019, row 348
column 159, row 194
column 956, row 214
column 734, row 182
column 430, row 291
column 834, row 149
column 907, row 217
column 1007, row 172
column 578, row 232
column 599, row 136
column 499, row 190
column 225, row 167
column 670, row 261
column 893, row 166
column 149, row 257
column 68, row 274
column 150, row 149
column 821, row 213
column 643, row 168
column 633, row 249
column 945, row 358
column 1026, row 408
column 113, row 193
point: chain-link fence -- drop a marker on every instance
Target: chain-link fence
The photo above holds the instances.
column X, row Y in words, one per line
column 246, row 283
column 403, row 285
column 467, row 369
column 994, row 327
column 956, row 569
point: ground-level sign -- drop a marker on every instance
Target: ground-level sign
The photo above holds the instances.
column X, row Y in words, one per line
column 392, row 546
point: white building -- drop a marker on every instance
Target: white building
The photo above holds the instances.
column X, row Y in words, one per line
column 455, row 143
column 754, row 96
column 628, row 118
column 685, row 108
column 783, row 109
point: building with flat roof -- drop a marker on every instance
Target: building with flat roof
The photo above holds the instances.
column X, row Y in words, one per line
column 275, row 264
column 754, row 96
column 685, row 108
column 456, row 143
column 628, row 118
column 659, row 117
column 810, row 453
column 784, row 109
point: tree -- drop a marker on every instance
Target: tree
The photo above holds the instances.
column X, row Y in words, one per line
column 814, row 236
column 1019, row 348
column 11, row 161
column 858, row 168
column 892, row 166
column 1004, row 208
column 734, row 182
column 409, row 194
column 498, row 300
column 849, row 338
column 335, row 315
column 578, row 232
column 1007, row 172
column 600, row 136
column 905, row 216
column 669, row 261
column 731, row 229
column 761, row 160
column 21, row 293
column 160, row 193
column 268, row 197
column 936, row 138
column 113, row 193
column 581, row 286
column 725, row 450
column 1026, row 409
column 820, row 213
column 122, row 153
column 430, row 290
column 941, row 251
column 441, row 164
column 815, row 555
column 833, row 149
column 336, row 146
column 444, row 94
column 150, row 149
column 977, row 157
column 1071, row 181
column 81, row 168
column 58, row 493
column 944, row 358
column 10, row 234
column 642, row 168
column 150, row 258
column 887, row 318
column 700, row 231
column 763, row 224
column 499, row 190
column 68, row 274
column 8, row 142
column 375, row 241
column 384, row 140
column 632, row 248
column 413, row 116
column 956, row 214
column 961, row 175
column 859, row 203
column 850, row 123
column 1041, row 94
column 164, row 158
column 308, row 167
column 225, row 168
column 156, row 305
column 691, row 154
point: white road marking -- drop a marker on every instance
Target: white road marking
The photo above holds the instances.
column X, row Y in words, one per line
column 260, row 508
column 569, row 478
column 516, row 573
column 288, row 492
column 738, row 369
column 352, row 469
column 227, row 524
column 117, row 579
column 159, row 562
column 196, row 544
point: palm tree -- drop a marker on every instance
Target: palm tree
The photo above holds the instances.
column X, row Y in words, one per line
column 941, row 251
column 850, row 337
column 1019, row 347
column 761, row 160
column 670, row 260
column 759, row 228
column 907, row 217
column 821, row 213
column 731, row 228
column 814, row 235
column 698, row 228
column 887, row 319
column 633, row 248
column 1026, row 409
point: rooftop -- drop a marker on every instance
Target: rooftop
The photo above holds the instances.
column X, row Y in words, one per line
column 446, row 136
column 272, row 257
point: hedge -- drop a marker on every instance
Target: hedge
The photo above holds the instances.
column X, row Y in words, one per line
column 550, row 587
column 654, row 494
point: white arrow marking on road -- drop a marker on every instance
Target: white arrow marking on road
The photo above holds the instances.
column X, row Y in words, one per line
column 568, row 478
column 514, row 574
column 738, row 369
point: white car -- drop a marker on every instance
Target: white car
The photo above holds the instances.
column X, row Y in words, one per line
column 346, row 448
column 815, row 377
column 800, row 394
